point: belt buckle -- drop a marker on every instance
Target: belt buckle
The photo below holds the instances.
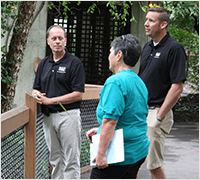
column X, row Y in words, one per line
column 151, row 107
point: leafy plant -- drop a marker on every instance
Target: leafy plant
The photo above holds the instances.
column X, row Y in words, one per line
column 85, row 150
column 184, row 22
column 125, row 5
column 8, row 11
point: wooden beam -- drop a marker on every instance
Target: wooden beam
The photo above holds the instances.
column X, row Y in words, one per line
column 36, row 63
column 30, row 138
column 86, row 168
column 14, row 119
column 93, row 86
column 92, row 91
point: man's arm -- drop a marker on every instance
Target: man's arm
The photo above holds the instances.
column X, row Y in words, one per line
column 171, row 99
column 65, row 99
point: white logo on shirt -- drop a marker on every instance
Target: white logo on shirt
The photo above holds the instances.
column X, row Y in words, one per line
column 157, row 55
column 61, row 70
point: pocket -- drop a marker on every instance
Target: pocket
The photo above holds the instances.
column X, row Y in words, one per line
column 167, row 122
column 151, row 118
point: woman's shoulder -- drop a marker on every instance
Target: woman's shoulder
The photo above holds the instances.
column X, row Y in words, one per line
column 113, row 79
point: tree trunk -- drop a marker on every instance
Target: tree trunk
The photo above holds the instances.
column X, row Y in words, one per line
column 16, row 50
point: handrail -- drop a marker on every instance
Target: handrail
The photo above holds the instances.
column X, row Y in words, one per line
column 17, row 117
column 26, row 114
column 13, row 119
column 91, row 91
column 30, row 138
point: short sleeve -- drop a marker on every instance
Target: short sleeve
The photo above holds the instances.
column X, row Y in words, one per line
column 177, row 64
column 112, row 101
column 37, row 83
column 78, row 77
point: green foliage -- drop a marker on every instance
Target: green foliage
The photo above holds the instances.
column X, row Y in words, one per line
column 183, row 13
column 193, row 72
column 5, row 78
column 66, row 8
column 183, row 21
column 85, row 150
column 50, row 5
column 93, row 7
column 9, row 10
column 190, row 41
column 125, row 5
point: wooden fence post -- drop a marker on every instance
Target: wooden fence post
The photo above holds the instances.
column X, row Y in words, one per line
column 30, row 138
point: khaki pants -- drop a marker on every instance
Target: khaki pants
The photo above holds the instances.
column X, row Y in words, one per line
column 157, row 135
column 63, row 137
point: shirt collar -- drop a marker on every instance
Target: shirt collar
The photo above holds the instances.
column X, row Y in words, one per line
column 161, row 43
column 59, row 61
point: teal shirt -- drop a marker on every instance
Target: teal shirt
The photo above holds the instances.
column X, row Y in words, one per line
column 124, row 98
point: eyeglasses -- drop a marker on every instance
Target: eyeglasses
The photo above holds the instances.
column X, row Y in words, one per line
column 123, row 37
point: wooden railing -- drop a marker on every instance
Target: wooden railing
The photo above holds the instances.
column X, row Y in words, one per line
column 23, row 115
column 26, row 114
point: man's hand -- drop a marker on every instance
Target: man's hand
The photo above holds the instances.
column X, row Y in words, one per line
column 36, row 94
column 158, row 122
column 43, row 99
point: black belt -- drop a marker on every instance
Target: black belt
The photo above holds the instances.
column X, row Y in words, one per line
column 61, row 110
column 153, row 106
column 55, row 111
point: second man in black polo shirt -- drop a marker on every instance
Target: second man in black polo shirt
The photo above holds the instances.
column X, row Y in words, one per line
column 162, row 68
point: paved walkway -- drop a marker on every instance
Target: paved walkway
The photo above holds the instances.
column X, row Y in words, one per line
column 181, row 153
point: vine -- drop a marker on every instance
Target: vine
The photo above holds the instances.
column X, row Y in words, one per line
column 183, row 25
column 113, row 9
column 9, row 10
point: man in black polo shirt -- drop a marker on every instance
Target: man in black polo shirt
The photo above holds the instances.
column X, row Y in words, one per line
column 162, row 68
column 60, row 78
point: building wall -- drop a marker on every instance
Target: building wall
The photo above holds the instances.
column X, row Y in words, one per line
column 137, row 28
column 36, row 47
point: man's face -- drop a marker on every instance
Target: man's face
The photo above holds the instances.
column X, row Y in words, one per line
column 56, row 39
column 152, row 25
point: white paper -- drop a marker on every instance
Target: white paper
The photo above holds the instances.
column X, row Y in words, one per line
column 115, row 151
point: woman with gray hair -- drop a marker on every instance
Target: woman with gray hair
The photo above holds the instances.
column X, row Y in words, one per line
column 122, row 105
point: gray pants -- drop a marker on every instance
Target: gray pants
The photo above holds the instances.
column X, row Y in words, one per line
column 63, row 137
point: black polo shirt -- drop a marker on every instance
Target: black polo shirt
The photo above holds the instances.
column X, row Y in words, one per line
column 60, row 78
column 161, row 66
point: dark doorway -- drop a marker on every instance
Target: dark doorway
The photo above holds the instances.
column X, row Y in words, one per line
column 89, row 35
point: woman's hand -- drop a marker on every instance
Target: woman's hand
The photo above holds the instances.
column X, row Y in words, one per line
column 101, row 161
column 93, row 130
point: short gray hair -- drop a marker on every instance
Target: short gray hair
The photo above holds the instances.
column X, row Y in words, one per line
column 47, row 33
column 130, row 47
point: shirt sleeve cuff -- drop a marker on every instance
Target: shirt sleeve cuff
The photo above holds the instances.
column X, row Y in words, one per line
column 107, row 116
